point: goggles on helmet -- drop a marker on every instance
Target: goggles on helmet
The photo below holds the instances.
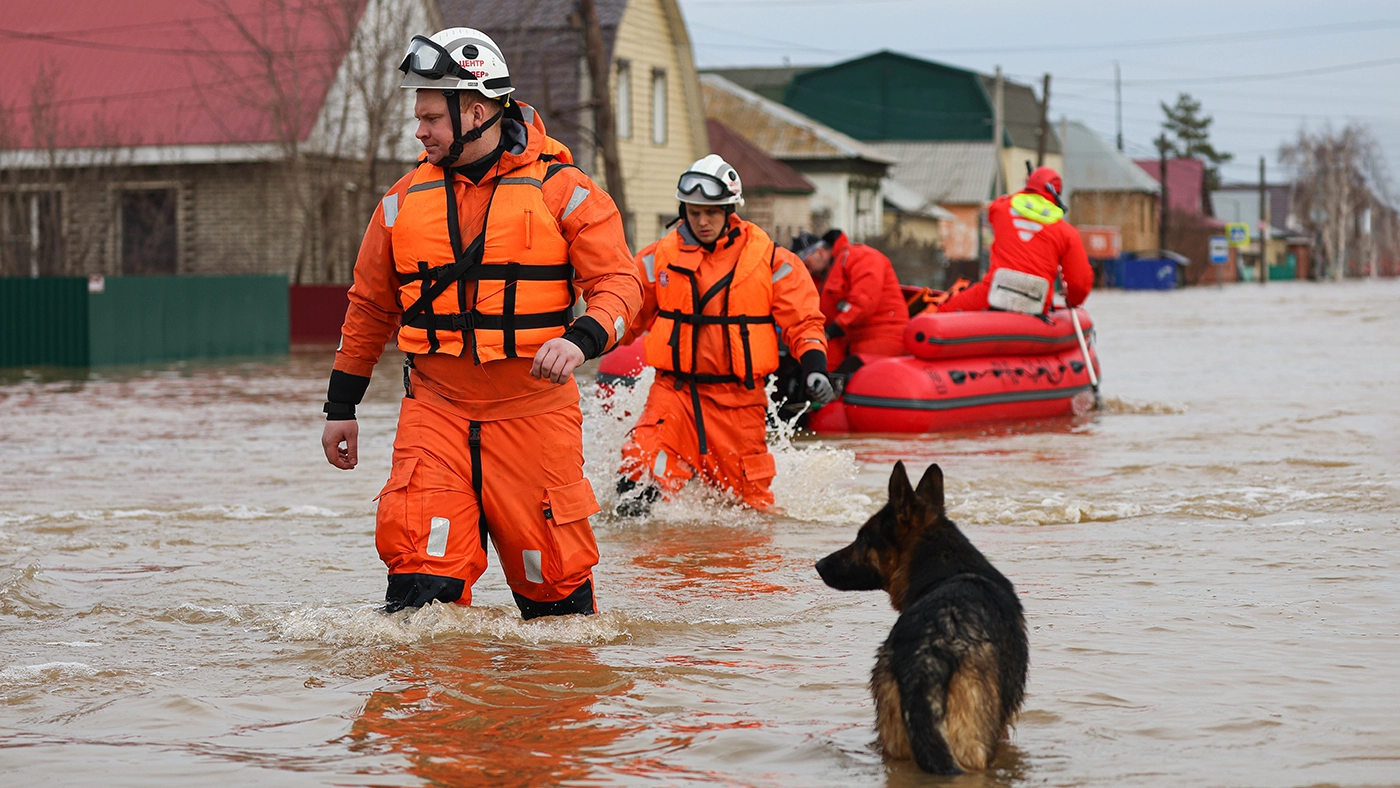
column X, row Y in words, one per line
column 709, row 186
column 427, row 59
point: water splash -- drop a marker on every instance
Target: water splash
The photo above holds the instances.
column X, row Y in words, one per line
column 812, row 481
column 369, row 625
column 1124, row 406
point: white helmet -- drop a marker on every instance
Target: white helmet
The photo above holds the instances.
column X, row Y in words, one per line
column 458, row 58
column 710, row 181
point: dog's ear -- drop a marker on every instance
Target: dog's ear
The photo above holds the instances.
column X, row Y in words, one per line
column 902, row 496
column 931, row 488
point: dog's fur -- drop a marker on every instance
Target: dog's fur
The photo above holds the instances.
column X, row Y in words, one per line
column 951, row 675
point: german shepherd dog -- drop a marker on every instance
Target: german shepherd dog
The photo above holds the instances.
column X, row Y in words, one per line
column 950, row 676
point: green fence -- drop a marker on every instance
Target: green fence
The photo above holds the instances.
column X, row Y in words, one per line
column 132, row 320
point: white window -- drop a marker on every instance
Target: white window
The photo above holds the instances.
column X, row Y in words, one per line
column 623, row 101
column 658, row 106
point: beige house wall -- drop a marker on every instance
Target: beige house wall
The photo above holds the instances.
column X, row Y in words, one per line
column 782, row 216
column 1013, row 166
column 918, row 230
column 652, row 36
column 1133, row 213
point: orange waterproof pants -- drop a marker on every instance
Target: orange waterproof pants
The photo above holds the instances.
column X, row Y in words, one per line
column 664, row 445
column 880, row 342
column 536, row 498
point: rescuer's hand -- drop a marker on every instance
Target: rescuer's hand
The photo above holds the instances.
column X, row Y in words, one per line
column 556, row 360
column 819, row 389
column 336, row 433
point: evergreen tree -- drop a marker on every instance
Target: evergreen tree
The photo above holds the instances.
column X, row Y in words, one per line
column 1191, row 130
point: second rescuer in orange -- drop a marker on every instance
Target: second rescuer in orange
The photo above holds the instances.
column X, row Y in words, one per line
column 717, row 291
column 476, row 258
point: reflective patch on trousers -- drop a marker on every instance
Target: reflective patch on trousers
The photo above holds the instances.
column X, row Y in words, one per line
column 658, row 468
column 437, row 537
column 533, row 572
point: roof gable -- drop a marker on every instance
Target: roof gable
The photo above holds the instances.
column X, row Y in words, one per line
column 103, row 74
column 759, row 172
column 889, row 96
column 1093, row 165
column 946, row 173
column 777, row 130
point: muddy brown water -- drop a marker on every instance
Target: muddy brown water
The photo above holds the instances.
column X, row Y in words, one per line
column 1209, row 568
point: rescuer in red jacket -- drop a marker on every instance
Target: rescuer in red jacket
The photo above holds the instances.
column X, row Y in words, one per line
column 1033, row 244
column 864, row 309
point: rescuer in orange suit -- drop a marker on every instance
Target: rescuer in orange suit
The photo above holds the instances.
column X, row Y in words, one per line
column 864, row 309
column 1032, row 245
column 477, row 258
column 716, row 288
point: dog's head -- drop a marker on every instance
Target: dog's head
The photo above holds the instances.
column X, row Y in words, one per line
column 879, row 558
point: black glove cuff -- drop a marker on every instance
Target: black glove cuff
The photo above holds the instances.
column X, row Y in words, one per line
column 589, row 336
column 834, row 331
column 339, row 411
column 813, row 361
column 345, row 387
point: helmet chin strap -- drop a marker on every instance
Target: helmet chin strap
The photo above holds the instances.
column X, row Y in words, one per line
column 460, row 140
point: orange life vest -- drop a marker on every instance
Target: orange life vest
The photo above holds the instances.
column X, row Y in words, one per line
column 524, row 293
column 740, row 304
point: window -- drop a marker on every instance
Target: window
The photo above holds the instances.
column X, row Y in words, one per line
column 658, row 106
column 147, row 223
column 623, row 102
column 31, row 237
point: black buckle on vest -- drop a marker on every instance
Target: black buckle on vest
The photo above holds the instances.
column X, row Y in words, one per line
column 463, row 321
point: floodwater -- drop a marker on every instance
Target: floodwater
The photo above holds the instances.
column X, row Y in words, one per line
column 1209, row 568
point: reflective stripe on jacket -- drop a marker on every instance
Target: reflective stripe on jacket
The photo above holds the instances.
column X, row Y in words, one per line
column 738, row 308
column 523, row 293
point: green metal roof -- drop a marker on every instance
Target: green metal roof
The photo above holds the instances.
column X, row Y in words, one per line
column 889, row 96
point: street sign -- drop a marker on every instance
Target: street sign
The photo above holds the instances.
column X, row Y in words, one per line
column 1238, row 233
column 1219, row 250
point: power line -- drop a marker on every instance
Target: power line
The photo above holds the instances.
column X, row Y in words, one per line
column 1306, row 72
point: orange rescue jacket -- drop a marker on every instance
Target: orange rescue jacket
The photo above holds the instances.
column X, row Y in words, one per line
column 523, row 294
column 738, row 306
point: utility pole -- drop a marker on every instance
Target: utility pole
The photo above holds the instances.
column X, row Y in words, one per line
column 1162, row 205
column 1044, row 124
column 1118, row 103
column 1263, row 226
column 998, row 130
column 604, row 123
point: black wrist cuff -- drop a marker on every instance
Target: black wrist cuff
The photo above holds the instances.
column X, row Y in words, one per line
column 339, row 411
column 589, row 336
column 345, row 387
column 813, row 361
column 343, row 394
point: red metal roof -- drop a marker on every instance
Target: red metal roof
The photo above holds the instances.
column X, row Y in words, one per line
column 106, row 73
column 758, row 171
column 1185, row 181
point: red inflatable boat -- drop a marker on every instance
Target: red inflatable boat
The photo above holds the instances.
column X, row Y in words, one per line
column 964, row 369
column 968, row 368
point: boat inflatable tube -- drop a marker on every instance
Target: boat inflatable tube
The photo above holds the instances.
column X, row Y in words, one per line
column 967, row 334
column 622, row 365
column 913, row 395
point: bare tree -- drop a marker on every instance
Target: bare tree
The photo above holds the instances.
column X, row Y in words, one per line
column 1338, row 175
column 331, row 145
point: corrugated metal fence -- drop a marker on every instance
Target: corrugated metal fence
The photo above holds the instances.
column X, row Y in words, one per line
column 132, row 320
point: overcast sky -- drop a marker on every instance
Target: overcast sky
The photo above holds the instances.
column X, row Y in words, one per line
column 1261, row 69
